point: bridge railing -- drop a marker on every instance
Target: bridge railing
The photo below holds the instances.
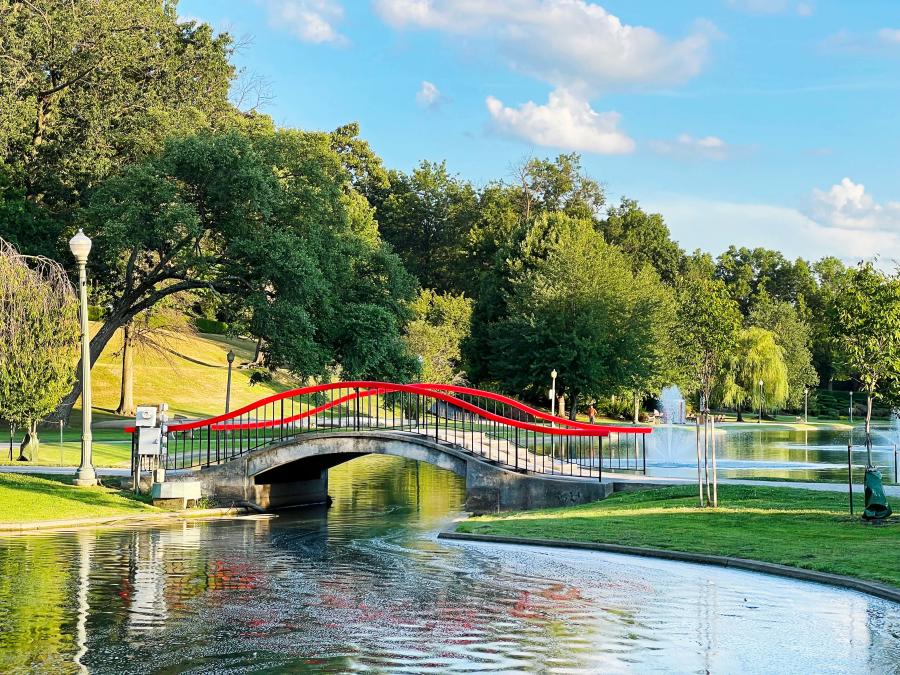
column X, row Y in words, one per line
column 496, row 428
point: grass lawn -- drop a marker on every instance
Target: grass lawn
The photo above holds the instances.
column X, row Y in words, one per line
column 802, row 528
column 25, row 498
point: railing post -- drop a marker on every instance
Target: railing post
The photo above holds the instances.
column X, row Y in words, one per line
column 850, row 474
column 644, row 451
column 356, row 408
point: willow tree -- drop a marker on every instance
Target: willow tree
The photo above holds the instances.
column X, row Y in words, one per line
column 755, row 373
column 39, row 334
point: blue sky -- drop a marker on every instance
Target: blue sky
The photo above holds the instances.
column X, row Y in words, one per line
column 756, row 122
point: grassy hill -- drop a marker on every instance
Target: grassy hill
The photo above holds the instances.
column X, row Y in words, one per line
column 191, row 378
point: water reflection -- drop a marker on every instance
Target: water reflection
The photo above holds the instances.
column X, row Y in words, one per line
column 366, row 586
column 745, row 451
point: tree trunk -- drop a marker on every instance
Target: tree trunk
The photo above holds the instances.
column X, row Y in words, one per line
column 869, row 397
column 573, row 410
column 740, row 414
column 561, row 405
column 258, row 353
column 98, row 344
column 126, row 394
column 30, row 444
column 637, row 412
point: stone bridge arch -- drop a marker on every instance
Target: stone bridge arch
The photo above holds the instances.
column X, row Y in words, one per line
column 295, row 472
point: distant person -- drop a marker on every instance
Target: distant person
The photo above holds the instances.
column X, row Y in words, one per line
column 592, row 414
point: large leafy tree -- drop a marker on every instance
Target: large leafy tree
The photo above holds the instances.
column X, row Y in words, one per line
column 427, row 216
column 39, row 334
column 87, row 87
column 708, row 325
column 754, row 374
column 270, row 223
column 576, row 306
column 440, row 322
column 644, row 237
column 866, row 314
column 792, row 334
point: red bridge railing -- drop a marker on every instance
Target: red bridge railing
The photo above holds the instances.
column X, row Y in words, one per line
column 491, row 426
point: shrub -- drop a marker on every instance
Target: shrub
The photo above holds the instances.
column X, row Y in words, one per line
column 211, row 326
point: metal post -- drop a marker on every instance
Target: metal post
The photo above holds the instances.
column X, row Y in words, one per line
column 80, row 246
column 806, row 405
column 230, row 357
column 699, row 474
column 712, row 423
column 850, row 475
column 61, row 459
column 896, row 482
column 851, row 406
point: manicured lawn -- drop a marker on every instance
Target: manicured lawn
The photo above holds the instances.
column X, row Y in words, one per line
column 802, row 528
column 25, row 498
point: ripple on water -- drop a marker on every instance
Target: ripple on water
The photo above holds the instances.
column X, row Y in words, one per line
column 366, row 586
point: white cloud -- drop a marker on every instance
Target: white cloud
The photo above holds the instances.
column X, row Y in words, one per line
column 889, row 36
column 310, row 20
column 429, row 96
column 567, row 43
column 847, row 206
column 844, row 221
column 772, row 7
column 566, row 122
column 685, row 145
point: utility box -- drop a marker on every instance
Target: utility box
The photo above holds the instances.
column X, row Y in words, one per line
column 149, row 441
column 145, row 417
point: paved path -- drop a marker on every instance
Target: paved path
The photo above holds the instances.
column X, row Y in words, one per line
column 637, row 479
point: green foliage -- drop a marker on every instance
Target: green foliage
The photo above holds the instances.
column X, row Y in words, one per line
column 792, row 335
column 426, row 216
column 39, row 337
column 708, row 325
column 440, row 322
column 644, row 238
column 575, row 306
column 756, row 359
column 212, row 326
column 87, row 87
column 866, row 314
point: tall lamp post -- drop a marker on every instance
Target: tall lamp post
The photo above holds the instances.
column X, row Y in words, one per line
column 759, row 419
column 851, row 406
column 805, row 405
column 80, row 245
column 553, row 410
column 230, row 357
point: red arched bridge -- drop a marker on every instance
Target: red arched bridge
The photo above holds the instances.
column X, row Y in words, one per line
column 277, row 450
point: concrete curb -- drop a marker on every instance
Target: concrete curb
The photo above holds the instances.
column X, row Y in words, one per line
column 120, row 520
column 871, row 587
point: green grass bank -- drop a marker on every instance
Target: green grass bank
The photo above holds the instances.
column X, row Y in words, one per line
column 29, row 498
column 801, row 528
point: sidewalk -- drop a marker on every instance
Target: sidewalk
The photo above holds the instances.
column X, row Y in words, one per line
column 632, row 480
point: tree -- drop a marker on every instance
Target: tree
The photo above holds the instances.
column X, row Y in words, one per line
column 426, row 217
column 866, row 313
column 271, row 222
column 708, row 325
column 644, row 238
column 440, row 323
column 792, row 335
column 39, row 337
column 575, row 306
column 87, row 87
column 756, row 359
column 150, row 331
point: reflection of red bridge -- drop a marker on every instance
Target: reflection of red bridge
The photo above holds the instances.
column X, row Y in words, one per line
column 313, row 428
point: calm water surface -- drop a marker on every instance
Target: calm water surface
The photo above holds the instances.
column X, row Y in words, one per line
column 366, row 586
column 747, row 451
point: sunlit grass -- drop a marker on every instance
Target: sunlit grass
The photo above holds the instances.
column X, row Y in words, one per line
column 25, row 498
column 802, row 528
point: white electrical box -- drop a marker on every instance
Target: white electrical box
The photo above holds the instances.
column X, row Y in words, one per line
column 145, row 417
column 149, row 441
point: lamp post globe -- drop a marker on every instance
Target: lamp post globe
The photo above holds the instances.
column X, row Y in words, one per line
column 80, row 245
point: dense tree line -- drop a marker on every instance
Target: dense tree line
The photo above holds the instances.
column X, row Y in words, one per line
column 115, row 117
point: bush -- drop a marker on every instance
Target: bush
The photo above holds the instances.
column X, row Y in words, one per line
column 96, row 313
column 211, row 326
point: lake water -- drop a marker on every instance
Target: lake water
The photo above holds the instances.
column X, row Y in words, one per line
column 366, row 586
column 750, row 451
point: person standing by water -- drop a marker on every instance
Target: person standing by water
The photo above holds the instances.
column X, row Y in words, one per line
column 592, row 413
